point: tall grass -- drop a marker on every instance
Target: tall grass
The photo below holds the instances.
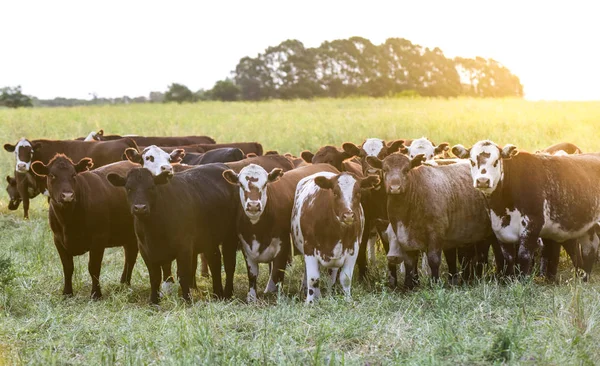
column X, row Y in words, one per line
column 526, row 322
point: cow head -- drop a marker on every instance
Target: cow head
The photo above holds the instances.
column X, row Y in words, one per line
column 140, row 185
column 252, row 181
column 156, row 160
column 346, row 188
column 378, row 148
column 331, row 155
column 13, row 193
column 395, row 169
column 486, row 163
column 95, row 136
column 23, row 153
column 425, row 147
column 61, row 175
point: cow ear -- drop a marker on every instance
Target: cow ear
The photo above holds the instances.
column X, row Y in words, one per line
column 395, row 146
column 369, row 182
column 100, row 133
column 163, row 178
column 176, row 155
column 275, row 175
column 134, row 156
column 84, row 165
column 9, row 180
column 9, row 147
column 307, row 156
column 323, row 182
column 444, row 146
column 116, row 180
column 509, row 151
column 461, row 152
column 38, row 168
column 375, row 162
column 417, row 160
column 350, row 150
column 231, row 177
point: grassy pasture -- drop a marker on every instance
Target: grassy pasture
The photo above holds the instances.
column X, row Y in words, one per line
column 525, row 322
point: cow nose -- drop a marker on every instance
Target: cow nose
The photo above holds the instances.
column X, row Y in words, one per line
column 348, row 217
column 66, row 196
column 372, row 171
column 483, row 182
column 140, row 209
column 253, row 206
column 21, row 166
column 394, row 189
column 166, row 168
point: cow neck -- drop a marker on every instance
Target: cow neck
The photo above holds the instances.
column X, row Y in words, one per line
column 71, row 216
column 264, row 225
column 401, row 204
column 501, row 198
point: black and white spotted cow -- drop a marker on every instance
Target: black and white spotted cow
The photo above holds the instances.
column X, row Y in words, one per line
column 156, row 160
column 556, row 198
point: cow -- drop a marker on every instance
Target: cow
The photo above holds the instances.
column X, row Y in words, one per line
column 267, row 162
column 263, row 217
column 21, row 187
column 246, row 147
column 87, row 214
column 424, row 146
column 327, row 226
column 143, row 141
column 431, row 209
column 338, row 159
column 533, row 196
column 562, row 148
column 221, row 155
column 155, row 159
column 177, row 216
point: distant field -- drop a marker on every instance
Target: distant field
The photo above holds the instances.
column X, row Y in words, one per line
column 523, row 323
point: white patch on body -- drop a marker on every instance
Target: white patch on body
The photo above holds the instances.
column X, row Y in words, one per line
column 373, row 146
column 156, row 160
column 22, row 166
column 259, row 176
column 267, row 255
column 515, row 228
column 553, row 230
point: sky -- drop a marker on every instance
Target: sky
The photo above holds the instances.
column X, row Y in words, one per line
column 129, row 47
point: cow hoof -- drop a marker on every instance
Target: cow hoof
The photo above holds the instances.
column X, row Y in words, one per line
column 97, row 295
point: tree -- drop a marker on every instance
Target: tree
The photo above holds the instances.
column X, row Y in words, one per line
column 156, row 97
column 225, row 90
column 179, row 93
column 12, row 97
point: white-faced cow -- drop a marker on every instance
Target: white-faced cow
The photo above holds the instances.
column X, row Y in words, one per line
column 431, row 209
column 179, row 216
column 156, row 160
column 327, row 225
column 88, row 214
column 264, row 214
column 556, row 198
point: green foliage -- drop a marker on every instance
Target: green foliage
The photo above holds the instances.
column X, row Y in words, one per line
column 225, row 90
column 179, row 93
column 13, row 97
column 7, row 273
column 484, row 323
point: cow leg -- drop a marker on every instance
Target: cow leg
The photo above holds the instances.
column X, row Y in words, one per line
column 214, row 263
column 465, row 259
column 203, row 266
column 312, row 278
column 589, row 251
column 410, row 263
column 333, row 275
column 279, row 264
column 361, row 261
column 154, row 270
column 573, row 251
column 94, row 266
column 386, row 237
column 450, row 255
column 131, row 252
column 67, row 263
column 550, row 259
column 482, row 250
column 229, row 251
column 528, row 242
column 371, row 247
column 434, row 258
column 346, row 275
column 253, row 269
column 26, row 207
column 508, row 253
column 184, row 270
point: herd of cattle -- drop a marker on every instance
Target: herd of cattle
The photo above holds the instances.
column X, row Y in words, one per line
column 175, row 198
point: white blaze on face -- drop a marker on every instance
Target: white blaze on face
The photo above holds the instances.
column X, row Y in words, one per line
column 156, row 160
column 421, row 146
column 253, row 190
column 486, row 166
column 346, row 183
column 373, row 146
column 22, row 166
column 91, row 136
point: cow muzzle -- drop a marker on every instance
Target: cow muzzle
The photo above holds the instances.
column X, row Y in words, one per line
column 67, row 197
column 14, row 204
column 394, row 189
column 140, row 209
column 21, row 167
column 166, row 168
column 482, row 182
column 348, row 218
column 253, row 207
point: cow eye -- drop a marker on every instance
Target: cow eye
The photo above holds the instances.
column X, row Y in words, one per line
column 496, row 162
column 472, row 162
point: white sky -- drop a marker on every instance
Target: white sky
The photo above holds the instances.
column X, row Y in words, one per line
column 115, row 48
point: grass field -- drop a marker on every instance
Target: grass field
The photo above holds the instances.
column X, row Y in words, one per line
column 526, row 322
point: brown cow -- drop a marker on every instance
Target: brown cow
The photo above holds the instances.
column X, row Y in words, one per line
column 562, row 148
column 22, row 182
column 151, row 140
column 263, row 218
column 88, row 214
column 246, row 147
column 327, row 225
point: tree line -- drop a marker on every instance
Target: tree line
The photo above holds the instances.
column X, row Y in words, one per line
column 339, row 68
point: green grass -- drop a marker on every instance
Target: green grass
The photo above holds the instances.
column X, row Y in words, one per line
column 525, row 322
